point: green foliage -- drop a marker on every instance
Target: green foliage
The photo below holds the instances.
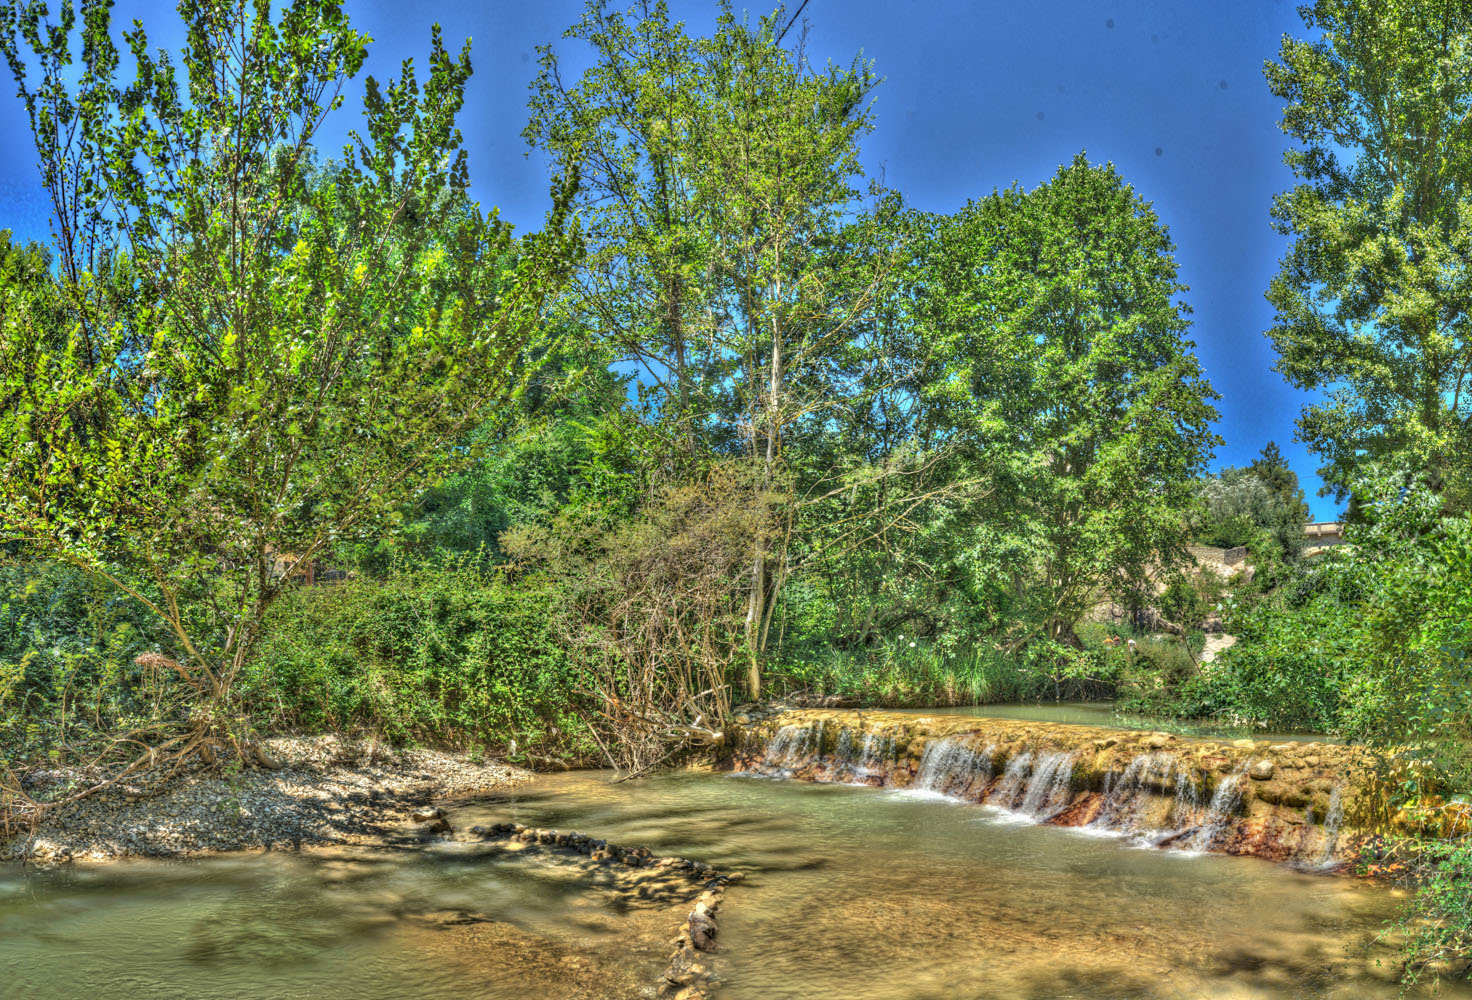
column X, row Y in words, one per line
column 1062, row 361
column 1368, row 640
column 904, row 671
column 68, row 644
column 446, row 653
column 1372, row 297
column 257, row 358
column 1261, row 507
column 1436, row 926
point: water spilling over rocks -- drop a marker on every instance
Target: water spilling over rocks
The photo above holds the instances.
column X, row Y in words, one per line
column 1295, row 802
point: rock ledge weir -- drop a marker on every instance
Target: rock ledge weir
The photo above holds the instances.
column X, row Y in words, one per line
column 1308, row 803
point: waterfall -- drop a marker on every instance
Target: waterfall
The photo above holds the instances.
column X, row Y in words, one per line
column 1035, row 785
column 1013, row 784
column 950, row 767
column 1333, row 822
column 1125, row 797
column 1048, row 788
column 843, row 754
column 789, row 743
column 1156, row 797
column 1225, row 802
column 858, row 760
column 1132, row 801
column 876, row 749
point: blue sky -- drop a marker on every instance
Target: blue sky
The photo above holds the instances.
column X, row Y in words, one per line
column 976, row 96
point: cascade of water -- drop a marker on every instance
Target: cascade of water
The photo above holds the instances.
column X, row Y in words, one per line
column 950, row 767
column 1187, row 809
column 1014, row 778
column 1048, row 788
column 790, row 742
column 876, row 749
column 1225, row 802
column 1333, row 823
column 843, row 753
column 1126, row 798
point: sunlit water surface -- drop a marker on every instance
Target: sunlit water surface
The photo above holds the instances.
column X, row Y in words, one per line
column 850, row 893
column 1104, row 713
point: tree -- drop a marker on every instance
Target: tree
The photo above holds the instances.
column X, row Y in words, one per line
column 261, row 357
column 630, row 120
column 1261, row 506
column 1062, row 364
column 732, row 257
column 1372, row 297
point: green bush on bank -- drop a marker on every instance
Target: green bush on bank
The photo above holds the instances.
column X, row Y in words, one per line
column 448, row 654
column 919, row 672
column 68, row 642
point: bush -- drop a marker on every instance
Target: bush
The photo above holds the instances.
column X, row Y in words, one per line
column 68, row 642
column 449, row 654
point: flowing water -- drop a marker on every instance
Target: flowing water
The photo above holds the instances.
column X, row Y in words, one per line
column 854, row 893
column 1104, row 713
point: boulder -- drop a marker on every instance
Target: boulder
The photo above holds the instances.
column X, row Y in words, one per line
column 1262, row 770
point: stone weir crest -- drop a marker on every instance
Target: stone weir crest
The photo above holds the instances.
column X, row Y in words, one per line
column 1307, row 803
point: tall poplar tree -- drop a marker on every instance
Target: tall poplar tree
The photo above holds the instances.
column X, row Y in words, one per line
column 1374, row 296
column 1061, row 357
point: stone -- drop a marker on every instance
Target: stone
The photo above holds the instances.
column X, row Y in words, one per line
column 1105, row 744
column 1262, row 770
column 1157, row 741
column 1243, row 744
column 427, row 815
column 1283, row 748
column 1295, row 798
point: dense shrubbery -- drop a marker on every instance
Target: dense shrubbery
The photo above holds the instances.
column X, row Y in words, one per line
column 68, row 644
column 1370, row 641
column 446, row 653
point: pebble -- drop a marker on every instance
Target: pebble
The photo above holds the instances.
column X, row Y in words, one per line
column 327, row 793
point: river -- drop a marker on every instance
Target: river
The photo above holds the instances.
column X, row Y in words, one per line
column 850, row 892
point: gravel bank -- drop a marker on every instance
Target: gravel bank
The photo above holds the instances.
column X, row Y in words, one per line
column 329, row 791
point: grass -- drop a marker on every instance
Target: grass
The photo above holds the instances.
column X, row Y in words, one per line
column 903, row 675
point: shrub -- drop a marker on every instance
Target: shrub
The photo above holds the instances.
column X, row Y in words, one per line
column 450, row 654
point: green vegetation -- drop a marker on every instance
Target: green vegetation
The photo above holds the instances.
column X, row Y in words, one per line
column 736, row 423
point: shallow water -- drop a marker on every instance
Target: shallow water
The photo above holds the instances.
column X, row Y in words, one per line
column 1103, row 713
column 850, row 893
column 451, row 920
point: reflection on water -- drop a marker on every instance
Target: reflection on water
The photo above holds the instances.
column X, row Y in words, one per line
column 850, row 893
column 1103, row 713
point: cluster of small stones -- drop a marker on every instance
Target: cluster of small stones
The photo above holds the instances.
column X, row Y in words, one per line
column 1287, row 787
column 328, row 791
column 689, row 975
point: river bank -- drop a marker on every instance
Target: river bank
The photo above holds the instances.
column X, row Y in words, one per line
column 328, row 791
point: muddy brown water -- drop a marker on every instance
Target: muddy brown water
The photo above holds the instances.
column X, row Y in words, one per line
column 853, row 893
